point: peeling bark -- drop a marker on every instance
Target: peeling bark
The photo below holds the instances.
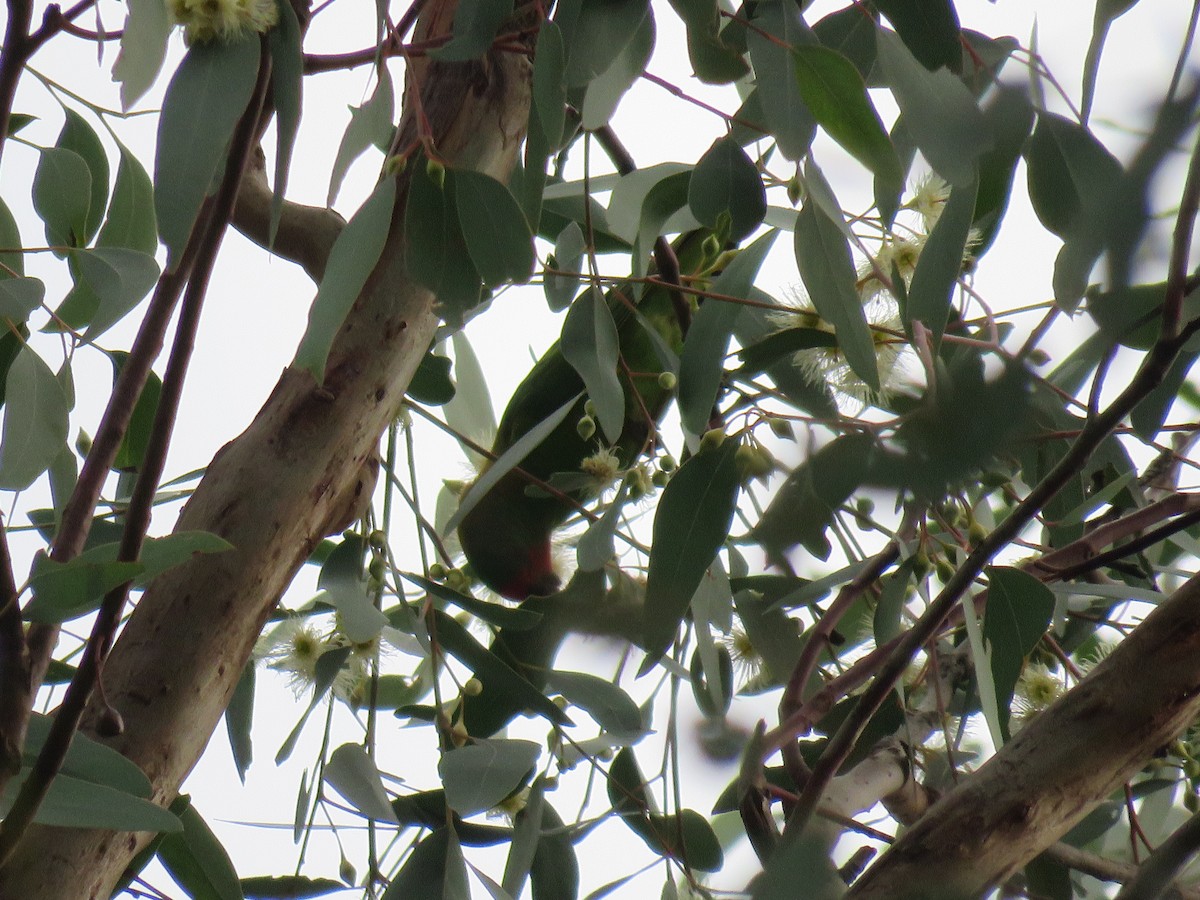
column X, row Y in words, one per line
column 273, row 493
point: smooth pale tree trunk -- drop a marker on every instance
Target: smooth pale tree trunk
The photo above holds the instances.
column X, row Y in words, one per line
column 274, row 492
column 1057, row 768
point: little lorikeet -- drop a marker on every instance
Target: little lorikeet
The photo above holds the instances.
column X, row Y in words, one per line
column 506, row 536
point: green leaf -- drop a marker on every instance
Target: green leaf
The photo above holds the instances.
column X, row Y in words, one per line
column 1107, row 11
column 239, row 717
column 19, row 297
column 595, row 546
column 119, row 279
column 352, row 773
column 940, row 114
column 35, row 421
column 433, row 870
column 569, row 248
column 851, row 33
column 370, row 124
column 137, row 436
column 509, row 460
column 88, row 760
column 202, row 106
column 130, row 222
column 1148, row 416
column 498, row 675
column 726, row 183
column 475, row 27
column 713, row 60
column 929, row 30
column 431, row 382
column 63, row 591
column 74, row 803
column 691, row 523
column 1011, row 118
column 288, row 887
column 287, row 86
column 527, row 831
column 931, row 293
column 345, row 588
column 62, row 187
column 549, row 85
column 827, row 270
column 1065, row 164
column 1019, row 610
column 595, row 32
column 354, row 256
column 435, row 251
column 198, row 862
column 781, row 345
column 77, row 135
column 328, row 667
column 143, row 48
column 513, row 618
column 702, row 361
column 836, row 96
column 591, row 345
column 605, row 92
column 12, row 262
column 163, row 553
column 554, row 874
column 480, row 775
column 493, row 227
column 804, row 506
column 604, row 701
column 783, row 107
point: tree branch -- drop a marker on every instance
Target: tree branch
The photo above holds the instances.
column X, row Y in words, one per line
column 1058, row 767
column 272, row 493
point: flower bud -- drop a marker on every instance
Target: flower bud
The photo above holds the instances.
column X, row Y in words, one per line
column 585, row 427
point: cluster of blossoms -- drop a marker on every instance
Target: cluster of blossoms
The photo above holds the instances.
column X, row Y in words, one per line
column 294, row 646
column 225, row 20
column 896, row 257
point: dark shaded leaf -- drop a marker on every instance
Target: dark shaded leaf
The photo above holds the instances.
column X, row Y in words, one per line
column 929, row 29
column 35, row 421
column 691, row 523
column 431, row 383
column 62, row 186
column 595, row 33
column 836, row 95
column 830, row 279
column 79, row 136
column 726, row 183
column 475, row 27
column 198, row 862
column 702, row 361
column 493, row 226
column 1019, row 610
column 929, row 296
column 940, row 115
column 804, row 506
column 783, row 108
column 287, row 87
column 590, row 343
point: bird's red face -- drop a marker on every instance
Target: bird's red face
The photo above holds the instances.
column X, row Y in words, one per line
column 535, row 577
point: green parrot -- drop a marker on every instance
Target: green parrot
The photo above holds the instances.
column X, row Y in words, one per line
column 506, row 536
